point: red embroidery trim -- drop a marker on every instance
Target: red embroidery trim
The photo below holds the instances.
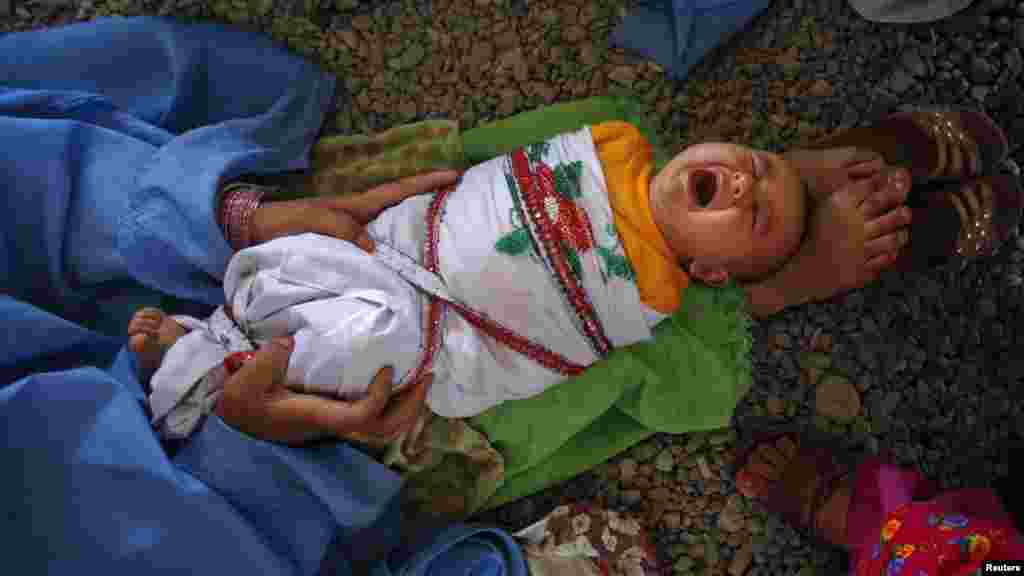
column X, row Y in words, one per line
column 550, row 360
column 534, row 202
column 433, row 308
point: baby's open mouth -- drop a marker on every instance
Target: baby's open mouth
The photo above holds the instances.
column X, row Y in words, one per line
column 703, row 185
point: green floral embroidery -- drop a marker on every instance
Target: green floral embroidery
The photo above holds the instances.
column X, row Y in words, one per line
column 518, row 240
column 536, row 152
column 567, row 179
column 616, row 264
column 514, row 243
column 574, row 260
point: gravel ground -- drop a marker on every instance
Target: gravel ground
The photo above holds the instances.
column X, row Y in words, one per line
column 924, row 361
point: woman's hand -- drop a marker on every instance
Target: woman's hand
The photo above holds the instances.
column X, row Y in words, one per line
column 256, row 402
column 343, row 217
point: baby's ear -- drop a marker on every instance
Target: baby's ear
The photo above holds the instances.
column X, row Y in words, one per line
column 711, row 275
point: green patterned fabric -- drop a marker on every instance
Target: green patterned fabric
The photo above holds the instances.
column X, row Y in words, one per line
column 348, row 164
column 504, row 136
column 451, row 470
column 689, row 378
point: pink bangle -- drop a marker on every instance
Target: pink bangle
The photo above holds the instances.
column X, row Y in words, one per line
column 239, row 203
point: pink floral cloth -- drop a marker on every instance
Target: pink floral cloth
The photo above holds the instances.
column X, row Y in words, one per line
column 900, row 526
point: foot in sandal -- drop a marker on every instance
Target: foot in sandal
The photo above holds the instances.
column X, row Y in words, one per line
column 970, row 220
column 947, row 144
column 828, row 169
column 805, row 485
column 150, row 334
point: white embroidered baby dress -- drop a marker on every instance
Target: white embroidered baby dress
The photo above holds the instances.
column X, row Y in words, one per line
column 500, row 286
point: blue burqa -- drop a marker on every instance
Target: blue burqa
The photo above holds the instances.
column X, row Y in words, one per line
column 115, row 136
column 677, row 34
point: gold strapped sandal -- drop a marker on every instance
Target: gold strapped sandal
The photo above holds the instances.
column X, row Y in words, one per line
column 935, row 145
column 969, row 220
column 974, row 204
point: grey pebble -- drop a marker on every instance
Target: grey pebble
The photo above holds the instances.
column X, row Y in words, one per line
column 1013, row 61
column 987, row 308
column 981, row 71
column 900, row 81
column 923, row 394
column 913, row 63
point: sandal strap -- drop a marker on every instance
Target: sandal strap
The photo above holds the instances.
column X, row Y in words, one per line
column 957, row 152
column 976, row 218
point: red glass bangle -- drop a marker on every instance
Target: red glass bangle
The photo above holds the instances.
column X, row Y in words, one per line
column 234, row 362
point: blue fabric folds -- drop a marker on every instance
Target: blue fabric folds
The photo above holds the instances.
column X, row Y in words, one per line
column 116, row 136
column 677, row 34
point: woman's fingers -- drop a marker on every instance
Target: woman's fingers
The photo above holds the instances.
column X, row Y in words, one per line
column 372, row 405
column 299, row 417
column 427, row 182
column 368, row 205
column 404, row 409
column 365, row 242
column 246, row 390
column 296, row 418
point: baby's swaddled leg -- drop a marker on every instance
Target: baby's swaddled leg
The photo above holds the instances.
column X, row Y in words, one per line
column 151, row 333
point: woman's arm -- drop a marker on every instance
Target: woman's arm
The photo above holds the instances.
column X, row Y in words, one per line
column 245, row 220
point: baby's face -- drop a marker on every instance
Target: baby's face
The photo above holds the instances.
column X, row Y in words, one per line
column 730, row 208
